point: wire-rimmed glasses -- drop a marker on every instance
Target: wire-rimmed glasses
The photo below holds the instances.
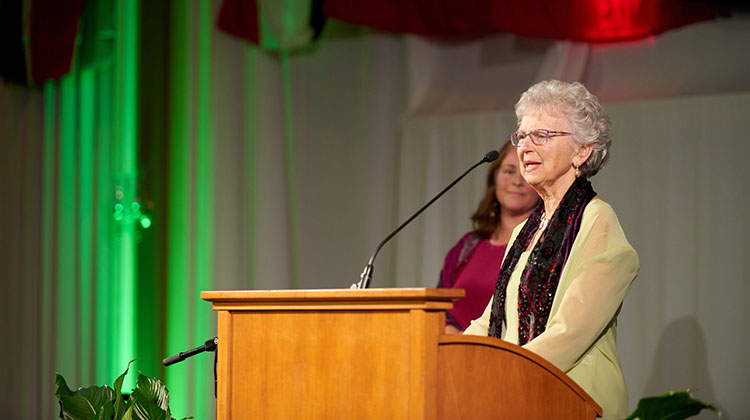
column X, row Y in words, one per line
column 538, row 137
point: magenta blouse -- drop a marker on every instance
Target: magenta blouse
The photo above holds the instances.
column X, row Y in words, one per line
column 473, row 264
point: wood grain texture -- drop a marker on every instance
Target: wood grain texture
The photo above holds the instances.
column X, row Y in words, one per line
column 223, row 364
column 329, row 354
column 333, row 299
column 487, row 378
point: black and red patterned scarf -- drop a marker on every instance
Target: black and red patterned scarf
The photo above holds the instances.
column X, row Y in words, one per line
column 545, row 264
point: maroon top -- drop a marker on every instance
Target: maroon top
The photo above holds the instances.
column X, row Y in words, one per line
column 473, row 264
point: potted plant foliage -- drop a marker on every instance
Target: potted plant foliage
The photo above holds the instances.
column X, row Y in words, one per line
column 149, row 400
column 670, row 406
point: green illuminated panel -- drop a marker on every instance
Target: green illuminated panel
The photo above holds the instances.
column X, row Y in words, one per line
column 66, row 315
column 126, row 91
column 88, row 294
column 179, row 291
column 107, row 366
column 204, row 319
column 87, row 124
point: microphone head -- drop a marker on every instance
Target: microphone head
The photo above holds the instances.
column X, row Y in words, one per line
column 491, row 156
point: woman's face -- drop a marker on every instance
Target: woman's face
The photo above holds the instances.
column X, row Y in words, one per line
column 511, row 190
column 549, row 167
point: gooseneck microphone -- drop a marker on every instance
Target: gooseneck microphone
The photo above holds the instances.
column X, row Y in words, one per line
column 209, row 345
column 366, row 276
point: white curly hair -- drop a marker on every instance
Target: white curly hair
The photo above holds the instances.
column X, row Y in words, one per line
column 590, row 123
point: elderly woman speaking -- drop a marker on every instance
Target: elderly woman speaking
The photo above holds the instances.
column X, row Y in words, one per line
column 564, row 278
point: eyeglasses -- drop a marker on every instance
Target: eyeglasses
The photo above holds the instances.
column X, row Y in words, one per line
column 538, row 137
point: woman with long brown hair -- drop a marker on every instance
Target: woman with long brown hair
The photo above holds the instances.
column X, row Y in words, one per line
column 474, row 262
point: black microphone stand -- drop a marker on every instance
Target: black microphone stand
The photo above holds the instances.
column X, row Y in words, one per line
column 366, row 276
column 209, row 345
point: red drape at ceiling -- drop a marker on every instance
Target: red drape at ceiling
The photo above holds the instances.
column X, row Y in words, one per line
column 41, row 46
column 577, row 20
column 53, row 30
column 240, row 18
column 422, row 17
column 598, row 20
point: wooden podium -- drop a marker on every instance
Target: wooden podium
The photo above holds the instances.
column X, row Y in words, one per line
column 375, row 354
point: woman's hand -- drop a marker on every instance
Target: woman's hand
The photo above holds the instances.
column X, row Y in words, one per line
column 450, row 329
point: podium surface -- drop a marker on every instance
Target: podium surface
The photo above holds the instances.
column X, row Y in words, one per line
column 367, row 354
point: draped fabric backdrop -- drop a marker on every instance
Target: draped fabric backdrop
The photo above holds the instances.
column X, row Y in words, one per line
column 70, row 197
column 274, row 170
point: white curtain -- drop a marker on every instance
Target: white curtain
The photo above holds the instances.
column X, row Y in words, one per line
column 306, row 152
column 680, row 183
column 20, row 240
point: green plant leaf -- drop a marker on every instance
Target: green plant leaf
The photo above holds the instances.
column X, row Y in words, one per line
column 154, row 390
column 150, row 399
column 120, row 405
column 107, row 412
column 76, row 407
column 670, row 406
column 146, row 410
column 84, row 403
column 128, row 415
column 100, row 397
column 62, row 386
